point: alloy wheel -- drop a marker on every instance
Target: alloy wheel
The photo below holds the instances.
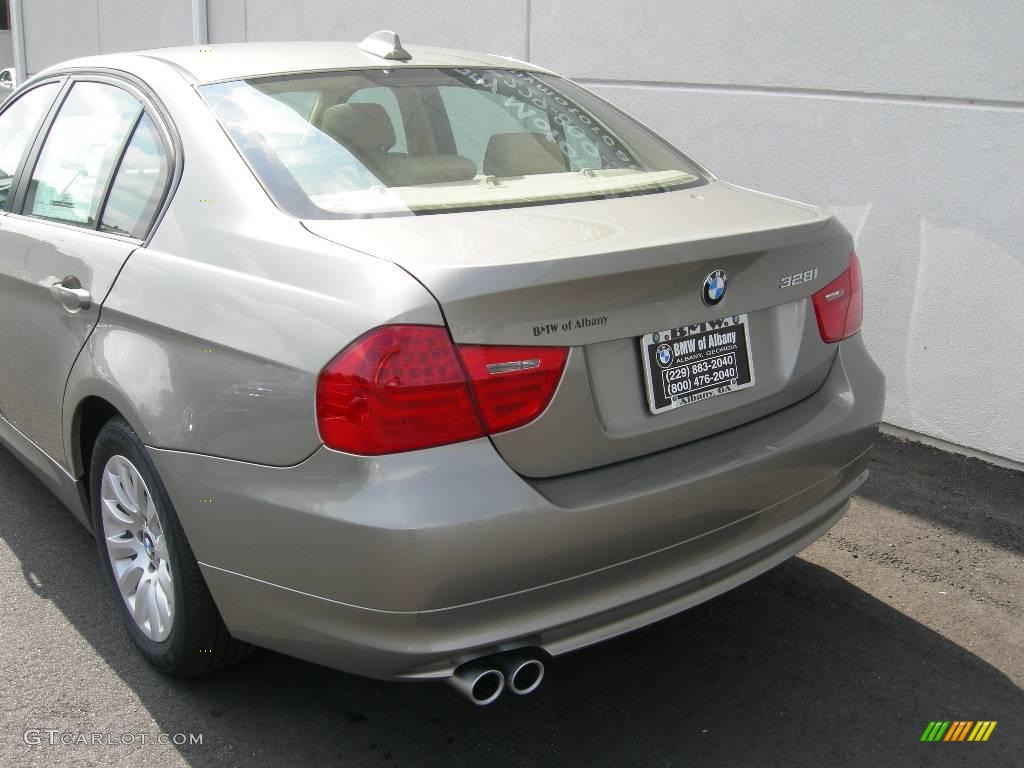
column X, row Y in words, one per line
column 137, row 547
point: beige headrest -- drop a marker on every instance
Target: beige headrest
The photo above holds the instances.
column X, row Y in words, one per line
column 520, row 154
column 362, row 127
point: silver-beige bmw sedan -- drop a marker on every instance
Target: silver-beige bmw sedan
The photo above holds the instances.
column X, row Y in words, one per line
column 418, row 363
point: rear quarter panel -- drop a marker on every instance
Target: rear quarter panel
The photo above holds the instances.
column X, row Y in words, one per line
column 213, row 335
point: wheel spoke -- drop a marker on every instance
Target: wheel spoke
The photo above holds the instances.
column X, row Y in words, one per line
column 164, row 590
column 165, row 611
column 149, row 513
column 121, row 494
column 114, row 513
column 129, row 579
column 124, row 546
column 142, row 602
column 156, row 625
column 163, row 575
column 136, row 489
column 160, row 546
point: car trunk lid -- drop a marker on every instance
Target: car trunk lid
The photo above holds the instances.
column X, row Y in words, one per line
column 597, row 276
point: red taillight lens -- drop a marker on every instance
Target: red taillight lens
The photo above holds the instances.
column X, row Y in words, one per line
column 513, row 385
column 839, row 306
column 398, row 388
column 403, row 387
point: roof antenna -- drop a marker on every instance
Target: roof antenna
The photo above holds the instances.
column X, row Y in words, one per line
column 386, row 45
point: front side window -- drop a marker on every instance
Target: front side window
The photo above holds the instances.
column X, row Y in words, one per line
column 80, row 152
column 18, row 126
column 393, row 141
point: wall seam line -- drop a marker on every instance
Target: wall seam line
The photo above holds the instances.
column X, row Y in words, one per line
column 529, row 27
column 961, row 101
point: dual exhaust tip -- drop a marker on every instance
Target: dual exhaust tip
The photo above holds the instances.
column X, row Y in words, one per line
column 483, row 680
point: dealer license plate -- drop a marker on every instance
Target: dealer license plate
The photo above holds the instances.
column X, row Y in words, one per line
column 695, row 362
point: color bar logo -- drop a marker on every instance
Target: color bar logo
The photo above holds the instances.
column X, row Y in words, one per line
column 958, row 730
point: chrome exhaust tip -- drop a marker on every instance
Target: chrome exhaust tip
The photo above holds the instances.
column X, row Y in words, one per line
column 480, row 683
column 523, row 672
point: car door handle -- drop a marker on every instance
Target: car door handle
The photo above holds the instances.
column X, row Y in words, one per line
column 71, row 294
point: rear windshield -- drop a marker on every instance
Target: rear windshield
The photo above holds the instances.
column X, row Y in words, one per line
column 377, row 142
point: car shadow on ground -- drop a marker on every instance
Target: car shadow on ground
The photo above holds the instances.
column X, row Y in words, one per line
column 798, row 668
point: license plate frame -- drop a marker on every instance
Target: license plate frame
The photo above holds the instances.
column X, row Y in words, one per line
column 706, row 359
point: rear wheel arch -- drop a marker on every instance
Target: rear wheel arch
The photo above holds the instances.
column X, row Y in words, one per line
column 90, row 417
column 90, row 414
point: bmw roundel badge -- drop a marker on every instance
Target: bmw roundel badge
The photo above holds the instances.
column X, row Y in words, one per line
column 664, row 355
column 714, row 287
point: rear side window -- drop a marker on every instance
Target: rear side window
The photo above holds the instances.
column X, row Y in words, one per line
column 80, row 153
column 18, row 126
column 139, row 184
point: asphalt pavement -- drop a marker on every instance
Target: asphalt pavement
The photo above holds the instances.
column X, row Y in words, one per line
column 911, row 610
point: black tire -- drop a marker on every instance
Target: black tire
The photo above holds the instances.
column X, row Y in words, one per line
column 199, row 643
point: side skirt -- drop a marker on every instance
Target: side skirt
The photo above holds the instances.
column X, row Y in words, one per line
column 55, row 477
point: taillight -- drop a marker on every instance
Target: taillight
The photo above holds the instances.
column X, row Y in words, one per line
column 512, row 385
column 839, row 306
column 398, row 388
column 404, row 387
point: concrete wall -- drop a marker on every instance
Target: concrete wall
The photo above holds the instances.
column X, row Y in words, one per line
column 905, row 119
column 6, row 50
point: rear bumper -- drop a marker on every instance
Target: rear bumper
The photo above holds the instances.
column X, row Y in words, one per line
column 403, row 566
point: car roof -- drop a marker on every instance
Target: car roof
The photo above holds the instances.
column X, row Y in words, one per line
column 232, row 61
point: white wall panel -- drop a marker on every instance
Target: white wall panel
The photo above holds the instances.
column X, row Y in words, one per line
column 126, row 25
column 931, row 47
column 6, row 50
column 488, row 25
column 226, row 20
column 56, row 30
